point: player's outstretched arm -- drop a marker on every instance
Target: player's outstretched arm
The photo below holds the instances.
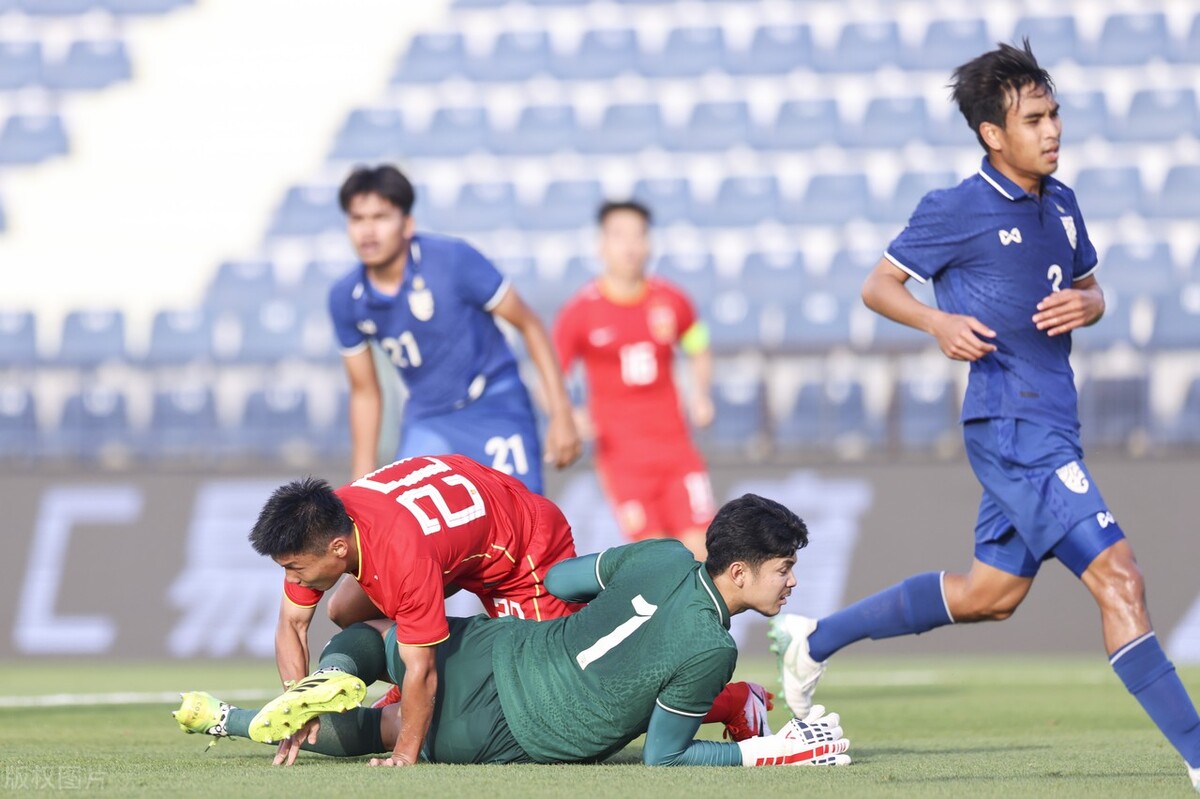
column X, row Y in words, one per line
column 366, row 407
column 563, row 446
column 962, row 338
column 291, row 641
column 416, row 704
column 574, row 579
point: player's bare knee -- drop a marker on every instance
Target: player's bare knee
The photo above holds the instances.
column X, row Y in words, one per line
column 338, row 613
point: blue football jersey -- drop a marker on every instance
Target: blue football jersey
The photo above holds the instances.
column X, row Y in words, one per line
column 993, row 252
column 438, row 330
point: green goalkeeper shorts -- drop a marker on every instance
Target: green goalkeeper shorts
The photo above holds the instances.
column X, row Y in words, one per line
column 468, row 723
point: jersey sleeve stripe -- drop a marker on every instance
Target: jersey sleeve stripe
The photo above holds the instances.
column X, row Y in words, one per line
column 899, row 265
column 669, row 709
column 429, row 643
column 1086, row 274
column 491, row 304
column 355, row 350
column 297, row 604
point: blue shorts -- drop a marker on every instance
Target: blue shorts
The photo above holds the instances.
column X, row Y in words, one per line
column 1039, row 501
column 497, row 430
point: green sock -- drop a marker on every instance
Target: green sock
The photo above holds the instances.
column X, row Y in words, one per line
column 357, row 650
column 350, row 734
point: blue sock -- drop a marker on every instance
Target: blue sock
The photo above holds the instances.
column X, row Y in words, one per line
column 1150, row 677
column 908, row 608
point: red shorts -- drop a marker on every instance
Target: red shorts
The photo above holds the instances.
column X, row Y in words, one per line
column 522, row 593
column 658, row 503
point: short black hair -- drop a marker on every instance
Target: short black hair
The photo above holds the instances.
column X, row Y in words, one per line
column 301, row 516
column 613, row 206
column 384, row 180
column 753, row 530
column 982, row 87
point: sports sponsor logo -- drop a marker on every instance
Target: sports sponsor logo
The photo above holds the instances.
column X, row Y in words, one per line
column 367, row 327
column 1073, row 477
column 602, row 336
column 1104, row 518
column 1069, row 226
column 1008, row 237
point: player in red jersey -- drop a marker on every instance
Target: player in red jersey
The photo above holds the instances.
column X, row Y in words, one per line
column 625, row 327
column 408, row 532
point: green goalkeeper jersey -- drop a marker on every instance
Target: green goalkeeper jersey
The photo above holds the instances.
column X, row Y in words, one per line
column 656, row 633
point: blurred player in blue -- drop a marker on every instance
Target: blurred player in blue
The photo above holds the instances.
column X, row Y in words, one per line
column 1012, row 269
column 431, row 302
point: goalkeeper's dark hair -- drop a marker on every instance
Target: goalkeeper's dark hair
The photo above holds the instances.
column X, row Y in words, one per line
column 384, row 180
column 984, row 86
column 302, row 516
column 753, row 530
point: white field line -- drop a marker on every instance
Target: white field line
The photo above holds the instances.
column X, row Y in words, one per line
column 122, row 698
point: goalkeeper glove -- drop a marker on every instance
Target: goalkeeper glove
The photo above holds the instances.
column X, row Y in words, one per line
column 815, row 740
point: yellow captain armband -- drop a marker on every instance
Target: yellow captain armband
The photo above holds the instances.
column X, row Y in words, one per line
column 695, row 340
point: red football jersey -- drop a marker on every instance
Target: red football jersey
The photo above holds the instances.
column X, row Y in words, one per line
column 627, row 349
column 425, row 522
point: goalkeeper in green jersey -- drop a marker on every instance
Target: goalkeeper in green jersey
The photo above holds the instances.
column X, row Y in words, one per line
column 648, row 654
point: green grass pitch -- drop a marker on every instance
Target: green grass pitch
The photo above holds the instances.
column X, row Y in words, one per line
column 951, row 727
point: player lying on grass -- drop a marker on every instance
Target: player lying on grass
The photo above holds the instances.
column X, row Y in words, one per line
column 648, row 654
column 1012, row 267
column 407, row 533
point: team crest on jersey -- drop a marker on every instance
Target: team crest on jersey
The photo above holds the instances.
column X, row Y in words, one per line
column 663, row 325
column 1069, row 226
column 367, row 327
column 1073, row 477
column 420, row 300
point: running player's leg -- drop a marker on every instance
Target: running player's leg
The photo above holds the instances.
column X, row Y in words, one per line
column 633, row 496
column 686, row 507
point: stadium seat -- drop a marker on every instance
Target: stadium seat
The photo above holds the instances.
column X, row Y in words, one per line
column 850, row 267
column 862, row 47
column 178, row 337
column 1177, row 318
column 452, row 132
column 94, row 426
column 135, row 7
column 312, row 292
column 481, row 207
column 775, row 50
column 431, row 57
column 778, row 277
column 1113, row 409
column 18, row 424
column 1115, row 329
column 1053, row 39
column 739, row 420
column 56, row 8
column 741, row 201
column 1109, row 192
column 1180, row 194
column 909, row 190
column 20, row 64
column 696, row 275
column 1129, row 40
column 624, row 128
column 29, row 139
column 602, row 55
column 819, row 323
column 18, row 338
column 90, row 65
column 948, row 43
column 890, row 122
column 241, row 285
column 1158, row 115
column 688, row 53
column 1138, row 267
column 712, row 126
column 950, row 129
column 308, row 211
column 333, row 439
column 1182, row 428
column 831, row 199
column 825, row 416
column 268, row 333
column 370, row 135
column 1084, row 116
column 183, row 425
column 540, row 130
column 318, row 342
column 274, row 422
column 925, row 414
column 90, row 338
column 1187, row 49
column 566, row 205
column 734, row 322
column 801, row 125
column 578, row 272
column 669, row 199
column 516, row 56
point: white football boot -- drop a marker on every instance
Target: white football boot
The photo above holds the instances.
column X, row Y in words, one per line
column 798, row 672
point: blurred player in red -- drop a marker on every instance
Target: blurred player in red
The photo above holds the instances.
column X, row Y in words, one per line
column 625, row 327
